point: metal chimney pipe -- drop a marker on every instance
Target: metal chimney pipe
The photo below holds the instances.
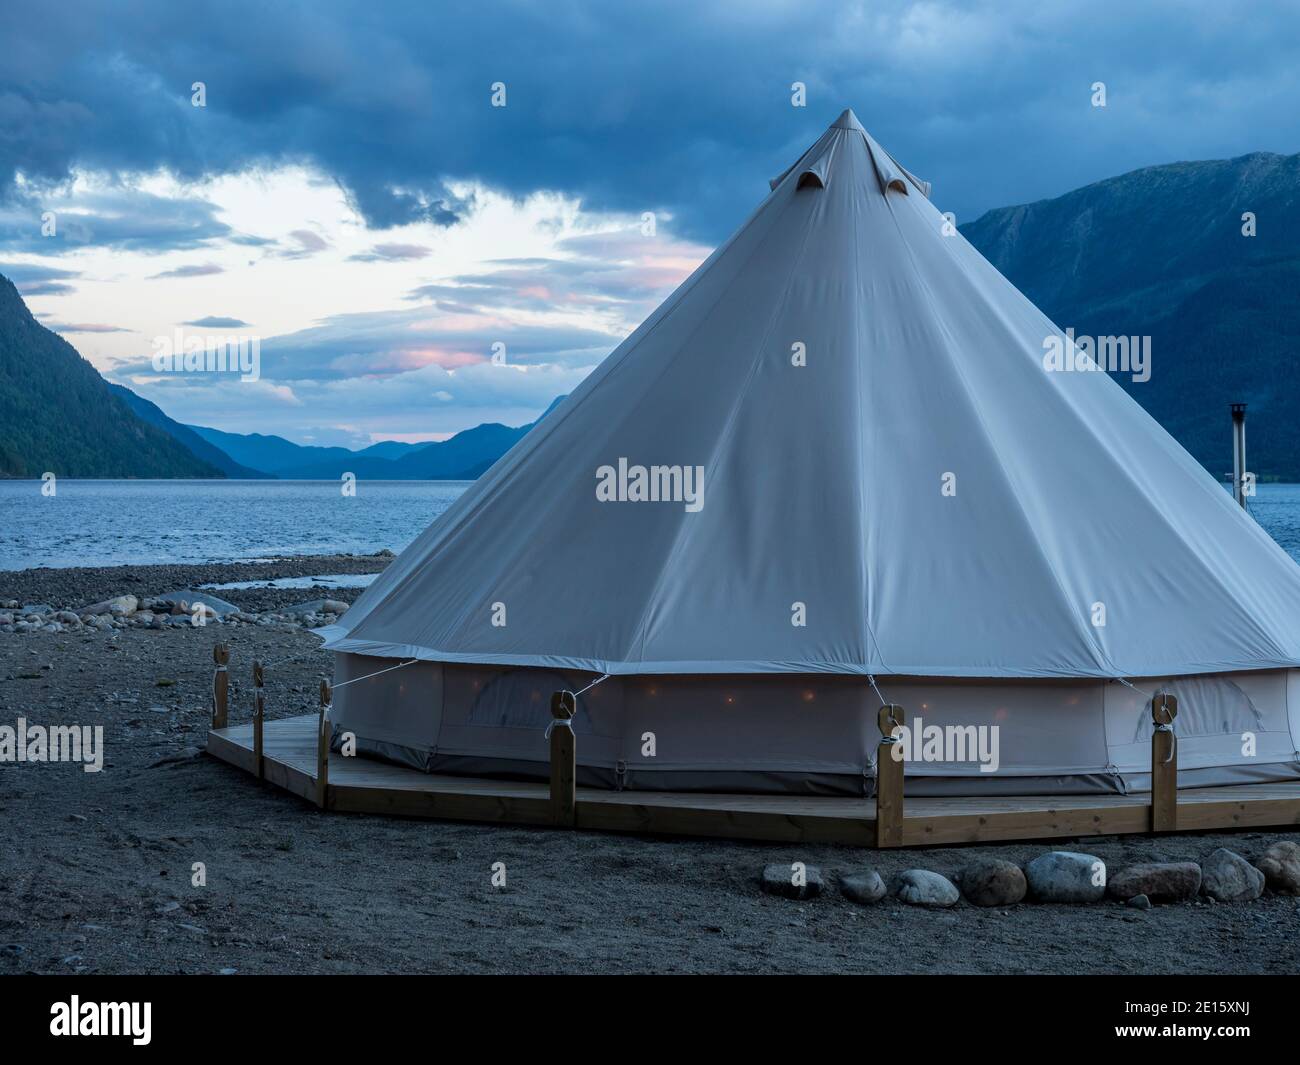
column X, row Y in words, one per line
column 1239, row 453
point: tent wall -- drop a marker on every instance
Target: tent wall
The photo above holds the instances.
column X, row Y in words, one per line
column 396, row 715
column 814, row 734
column 1232, row 728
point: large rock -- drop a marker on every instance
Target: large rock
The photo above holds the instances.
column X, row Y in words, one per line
column 317, row 606
column 864, row 888
column 920, row 887
column 1227, row 877
column 992, row 882
column 1281, row 867
column 186, row 598
column 793, row 880
column 1158, row 881
column 1066, row 876
column 122, row 606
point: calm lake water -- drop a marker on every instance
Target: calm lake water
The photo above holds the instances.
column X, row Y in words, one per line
column 106, row 523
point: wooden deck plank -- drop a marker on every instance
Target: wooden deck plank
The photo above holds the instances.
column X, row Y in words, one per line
column 359, row 785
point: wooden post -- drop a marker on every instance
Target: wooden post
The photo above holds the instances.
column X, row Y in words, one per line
column 220, row 685
column 889, row 779
column 564, row 805
column 1164, row 763
column 259, row 711
column 323, row 746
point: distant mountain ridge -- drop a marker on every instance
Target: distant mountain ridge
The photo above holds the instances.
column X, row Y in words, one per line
column 184, row 435
column 462, row 457
column 58, row 415
column 264, row 452
column 1160, row 252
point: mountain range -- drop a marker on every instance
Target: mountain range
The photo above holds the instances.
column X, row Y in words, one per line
column 1161, row 252
column 462, row 457
column 57, row 415
column 185, row 435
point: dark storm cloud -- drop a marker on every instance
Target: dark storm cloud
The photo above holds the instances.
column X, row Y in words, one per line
column 45, row 288
column 20, row 272
column 123, row 218
column 680, row 107
column 33, row 279
column 621, row 271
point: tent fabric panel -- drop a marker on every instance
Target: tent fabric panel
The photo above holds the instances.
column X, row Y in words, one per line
column 401, row 706
column 1215, row 716
column 741, row 723
column 1081, row 541
column 1045, row 728
column 495, row 712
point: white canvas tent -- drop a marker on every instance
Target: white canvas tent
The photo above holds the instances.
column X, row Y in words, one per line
column 895, row 491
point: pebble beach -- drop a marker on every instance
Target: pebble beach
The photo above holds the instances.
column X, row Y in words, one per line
column 97, row 869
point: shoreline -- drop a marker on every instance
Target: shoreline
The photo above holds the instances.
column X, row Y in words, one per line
column 74, row 587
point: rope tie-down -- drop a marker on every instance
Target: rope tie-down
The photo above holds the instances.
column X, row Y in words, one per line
column 1173, row 745
column 564, row 804
column 567, row 722
column 1164, row 757
column 220, row 685
column 1164, row 763
column 889, row 773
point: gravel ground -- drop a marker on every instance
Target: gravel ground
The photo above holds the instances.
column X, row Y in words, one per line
column 69, row 589
column 95, row 868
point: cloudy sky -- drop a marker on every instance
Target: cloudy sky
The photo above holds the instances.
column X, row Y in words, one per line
column 349, row 194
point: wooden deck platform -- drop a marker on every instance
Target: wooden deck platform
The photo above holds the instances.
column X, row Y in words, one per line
column 361, row 785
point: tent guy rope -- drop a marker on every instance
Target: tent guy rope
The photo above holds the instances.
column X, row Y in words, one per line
column 353, row 680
